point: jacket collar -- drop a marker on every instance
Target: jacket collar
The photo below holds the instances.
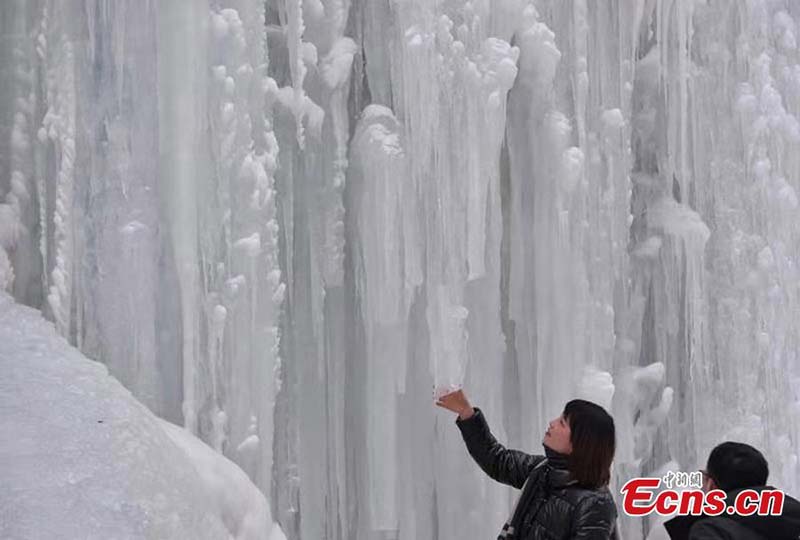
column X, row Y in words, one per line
column 559, row 478
column 558, row 474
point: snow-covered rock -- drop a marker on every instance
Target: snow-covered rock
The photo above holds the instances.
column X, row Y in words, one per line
column 81, row 458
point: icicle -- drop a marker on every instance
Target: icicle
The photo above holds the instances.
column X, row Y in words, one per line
column 384, row 206
column 59, row 123
column 335, row 71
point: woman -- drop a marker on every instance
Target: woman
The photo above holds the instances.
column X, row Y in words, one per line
column 565, row 492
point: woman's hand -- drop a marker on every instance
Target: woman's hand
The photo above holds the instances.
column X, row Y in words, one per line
column 458, row 403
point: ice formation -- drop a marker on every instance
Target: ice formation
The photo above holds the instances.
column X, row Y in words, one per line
column 286, row 225
column 81, row 458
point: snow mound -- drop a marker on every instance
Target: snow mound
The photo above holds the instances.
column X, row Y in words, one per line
column 81, row 458
column 243, row 508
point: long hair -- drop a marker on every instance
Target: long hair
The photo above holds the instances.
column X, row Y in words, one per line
column 593, row 441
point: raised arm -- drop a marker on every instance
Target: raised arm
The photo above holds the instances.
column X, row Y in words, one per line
column 510, row 467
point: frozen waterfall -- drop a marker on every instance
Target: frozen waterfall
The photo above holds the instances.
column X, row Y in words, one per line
column 285, row 223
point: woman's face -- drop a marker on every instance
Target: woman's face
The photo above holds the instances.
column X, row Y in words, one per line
column 557, row 436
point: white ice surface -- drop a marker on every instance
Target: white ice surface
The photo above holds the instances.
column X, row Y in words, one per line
column 81, row 458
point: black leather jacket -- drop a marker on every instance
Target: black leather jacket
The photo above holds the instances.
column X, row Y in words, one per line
column 558, row 508
column 738, row 527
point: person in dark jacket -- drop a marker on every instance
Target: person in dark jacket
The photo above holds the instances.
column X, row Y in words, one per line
column 564, row 492
column 734, row 467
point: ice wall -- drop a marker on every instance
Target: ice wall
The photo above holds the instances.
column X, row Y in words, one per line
column 285, row 223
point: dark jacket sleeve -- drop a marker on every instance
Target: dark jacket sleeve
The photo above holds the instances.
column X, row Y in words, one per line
column 595, row 519
column 510, row 467
column 708, row 529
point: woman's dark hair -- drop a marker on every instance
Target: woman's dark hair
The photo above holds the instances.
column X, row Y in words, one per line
column 593, row 441
column 734, row 465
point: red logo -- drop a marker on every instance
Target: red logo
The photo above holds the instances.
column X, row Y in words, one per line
column 640, row 497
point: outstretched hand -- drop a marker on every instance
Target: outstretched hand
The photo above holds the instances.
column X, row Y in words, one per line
column 456, row 402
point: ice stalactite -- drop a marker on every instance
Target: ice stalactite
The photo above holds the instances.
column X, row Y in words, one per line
column 769, row 124
column 674, row 321
column 40, row 153
column 58, row 130
column 20, row 266
column 266, row 360
column 335, row 73
column 116, row 217
column 316, row 59
column 389, row 272
column 182, row 100
column 301, row 54
column 544, row 258
column 6, row 270
column 452, row 80
column 375, row 30
column 570, row 295
column 243, row 288
column 751, row 194
column 464, row 81
column 664, row 324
